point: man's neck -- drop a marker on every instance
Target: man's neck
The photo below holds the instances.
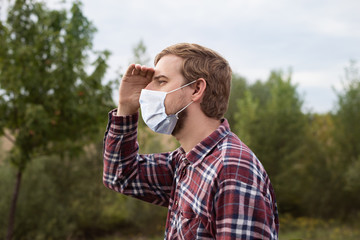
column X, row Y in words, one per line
column 195, row 130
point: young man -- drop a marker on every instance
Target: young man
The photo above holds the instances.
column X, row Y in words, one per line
column 213, row 185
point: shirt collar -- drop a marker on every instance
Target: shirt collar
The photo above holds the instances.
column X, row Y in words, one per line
column 201, row 150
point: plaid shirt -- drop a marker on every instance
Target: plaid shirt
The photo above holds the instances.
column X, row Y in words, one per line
column 219, row 190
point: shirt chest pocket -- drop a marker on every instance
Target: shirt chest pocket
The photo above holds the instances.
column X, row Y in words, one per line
column 189, row 222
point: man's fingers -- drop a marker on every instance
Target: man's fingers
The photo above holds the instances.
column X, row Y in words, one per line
column 143, row 71
column 139, row 72
column 150, row 74
column 137, row 69
column 130, row 69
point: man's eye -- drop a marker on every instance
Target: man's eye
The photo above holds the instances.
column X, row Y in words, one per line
column 161, row 82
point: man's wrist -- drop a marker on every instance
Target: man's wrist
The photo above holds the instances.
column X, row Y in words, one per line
column 124, row 110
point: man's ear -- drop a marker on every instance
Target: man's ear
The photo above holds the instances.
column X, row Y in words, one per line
column 199, row 90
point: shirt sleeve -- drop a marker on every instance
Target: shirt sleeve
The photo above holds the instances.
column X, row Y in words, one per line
column 147, row 177
column 243, row 212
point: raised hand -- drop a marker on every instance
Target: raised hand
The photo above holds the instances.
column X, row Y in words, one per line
column 135, row 79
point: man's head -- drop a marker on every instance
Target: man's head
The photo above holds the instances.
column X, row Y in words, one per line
column 200, row 62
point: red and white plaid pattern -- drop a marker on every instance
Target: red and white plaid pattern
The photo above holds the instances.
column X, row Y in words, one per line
column 219, row 190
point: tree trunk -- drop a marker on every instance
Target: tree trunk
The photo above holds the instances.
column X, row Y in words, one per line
column 13, row 206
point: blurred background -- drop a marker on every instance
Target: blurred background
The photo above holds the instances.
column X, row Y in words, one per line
column 295, row 101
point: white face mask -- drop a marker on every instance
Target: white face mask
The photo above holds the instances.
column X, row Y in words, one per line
column 152, row 104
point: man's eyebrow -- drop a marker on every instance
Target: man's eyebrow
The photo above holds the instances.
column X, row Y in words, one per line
column 160, row 76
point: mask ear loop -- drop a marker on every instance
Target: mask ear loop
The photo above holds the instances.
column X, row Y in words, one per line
column 181, row 87
column 176, row 114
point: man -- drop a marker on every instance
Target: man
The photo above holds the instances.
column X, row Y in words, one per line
column 213, row 185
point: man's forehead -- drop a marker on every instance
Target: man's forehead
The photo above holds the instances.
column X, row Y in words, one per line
column 168, row 64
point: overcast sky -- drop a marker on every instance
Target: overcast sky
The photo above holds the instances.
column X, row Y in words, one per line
column 316, row 39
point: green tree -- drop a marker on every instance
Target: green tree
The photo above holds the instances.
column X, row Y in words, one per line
column 317, row 174
column 347, row 114
column 271, row 122
column 49, row 103
column 237, row 91
column 247, row 115
column 346, row 136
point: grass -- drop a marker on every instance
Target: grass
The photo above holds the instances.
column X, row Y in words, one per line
column 302, row 228
column 305, row 228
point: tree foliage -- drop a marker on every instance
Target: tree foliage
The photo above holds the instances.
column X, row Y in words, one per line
column 49, row 100
column 347, row 115
column 347, row 135
column 52, row 99
column 269, row 119
column 237, row 91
